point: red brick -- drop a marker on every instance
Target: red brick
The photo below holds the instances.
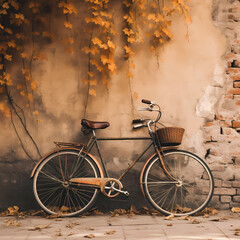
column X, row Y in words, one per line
column 235, row 124
column 236, row 84
column 224, row 191
column 230, row 55
column 236, row 198
column 236, row 184
column 226, row 199
column 210, row 124
column 233, row 70
column 227, row 184
column 235, row 91
column 235, row 77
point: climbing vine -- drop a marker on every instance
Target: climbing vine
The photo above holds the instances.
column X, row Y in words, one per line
column 25, row 34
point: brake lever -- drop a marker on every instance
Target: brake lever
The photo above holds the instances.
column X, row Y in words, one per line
column 144, row 109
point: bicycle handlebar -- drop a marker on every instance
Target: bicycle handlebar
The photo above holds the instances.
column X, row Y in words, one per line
column 146, row 101
column 138, row 121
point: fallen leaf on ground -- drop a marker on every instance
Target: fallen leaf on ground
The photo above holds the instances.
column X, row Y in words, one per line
column 184, row 217
column 39, row 227
column 236, row 209
column 169, row 224
column 170, row 217
column 215, row 219
column 90, row 236
column 194, row 221
column 12, row 223
column 111, row 232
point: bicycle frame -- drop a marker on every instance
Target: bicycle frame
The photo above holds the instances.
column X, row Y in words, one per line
column 94, row 141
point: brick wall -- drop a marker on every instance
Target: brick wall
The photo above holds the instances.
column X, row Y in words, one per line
column 222, row 130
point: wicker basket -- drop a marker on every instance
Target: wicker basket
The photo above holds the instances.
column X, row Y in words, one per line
column 169, row 136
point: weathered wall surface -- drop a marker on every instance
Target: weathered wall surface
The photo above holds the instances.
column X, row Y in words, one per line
column 221, row 130
column 190, row 80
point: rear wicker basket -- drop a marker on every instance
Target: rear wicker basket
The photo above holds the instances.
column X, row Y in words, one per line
column 169, row 136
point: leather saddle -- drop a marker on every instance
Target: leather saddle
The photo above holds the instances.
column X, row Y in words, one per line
column 94, row 125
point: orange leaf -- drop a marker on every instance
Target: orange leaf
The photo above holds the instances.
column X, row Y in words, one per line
column 24, row 55
column 34, row 85
column 188, row 19
column 19, row 16
column 8, row 57
column 104, row 59
column 93, row 82
column 68, row 25
column 92, row 92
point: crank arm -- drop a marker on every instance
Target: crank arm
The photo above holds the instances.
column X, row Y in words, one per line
column 118, row 190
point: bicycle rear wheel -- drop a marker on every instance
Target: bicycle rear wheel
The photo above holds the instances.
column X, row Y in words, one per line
column 53, row 190
column 191, row 190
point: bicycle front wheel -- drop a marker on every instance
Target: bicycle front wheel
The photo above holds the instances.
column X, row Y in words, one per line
column 188, row 192
column 53, row 190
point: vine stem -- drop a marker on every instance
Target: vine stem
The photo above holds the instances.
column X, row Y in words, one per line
column 11, row 102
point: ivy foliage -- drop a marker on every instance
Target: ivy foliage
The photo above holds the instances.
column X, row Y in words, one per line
column 25, row 31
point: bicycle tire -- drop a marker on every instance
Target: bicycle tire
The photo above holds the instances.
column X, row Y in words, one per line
column 191, row 192
column 51, row 186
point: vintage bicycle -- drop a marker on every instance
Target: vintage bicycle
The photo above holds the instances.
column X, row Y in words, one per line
column 67, row 181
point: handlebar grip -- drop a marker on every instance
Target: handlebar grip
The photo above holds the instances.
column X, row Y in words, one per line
column 137, row 121
column 138, row 126
column 146, row 101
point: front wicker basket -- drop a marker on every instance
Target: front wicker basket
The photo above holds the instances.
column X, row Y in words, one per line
column 169, row 136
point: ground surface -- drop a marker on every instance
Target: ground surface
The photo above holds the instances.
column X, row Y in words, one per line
column 222, row 226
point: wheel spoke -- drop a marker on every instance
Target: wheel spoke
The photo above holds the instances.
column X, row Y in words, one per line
column 52, row 188
column 181, row 197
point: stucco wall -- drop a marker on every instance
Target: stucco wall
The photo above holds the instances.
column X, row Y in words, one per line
column 187, row 81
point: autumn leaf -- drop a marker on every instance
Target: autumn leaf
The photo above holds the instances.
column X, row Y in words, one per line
column 5, row 110
column 11, row 44
column 3, row 11
column 19, row 16
column 33, row 85
column 68, row 25
column 90, row 74
column 104, row 59
column 9, row 31
column 8, row 57
column 135, row 96
column 30, row 97
column 188, row 19
column 24, row 55
column 111, row 44
column 151, row 16
column 5, row 5
column 112, row 66
column 92, row 92
column 85, row 81
column 93, row 82
column 97, row 41
column 1, row 26
column 167, row 32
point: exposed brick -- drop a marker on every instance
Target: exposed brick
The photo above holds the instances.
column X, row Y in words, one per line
column 217, row 183
column 236, row 184
column 235, row 77
column 235, row 91
column 236, row 199
column 225, row 199
column 238, row 191
column 224, row 191
column 210, row 124
column 237, row 161
column 233, row 70
column 235, row 124
column 236, row 84
column 227, row 184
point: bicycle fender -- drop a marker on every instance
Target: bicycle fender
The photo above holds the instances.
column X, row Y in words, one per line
column 61, row 149
column 141, row 175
